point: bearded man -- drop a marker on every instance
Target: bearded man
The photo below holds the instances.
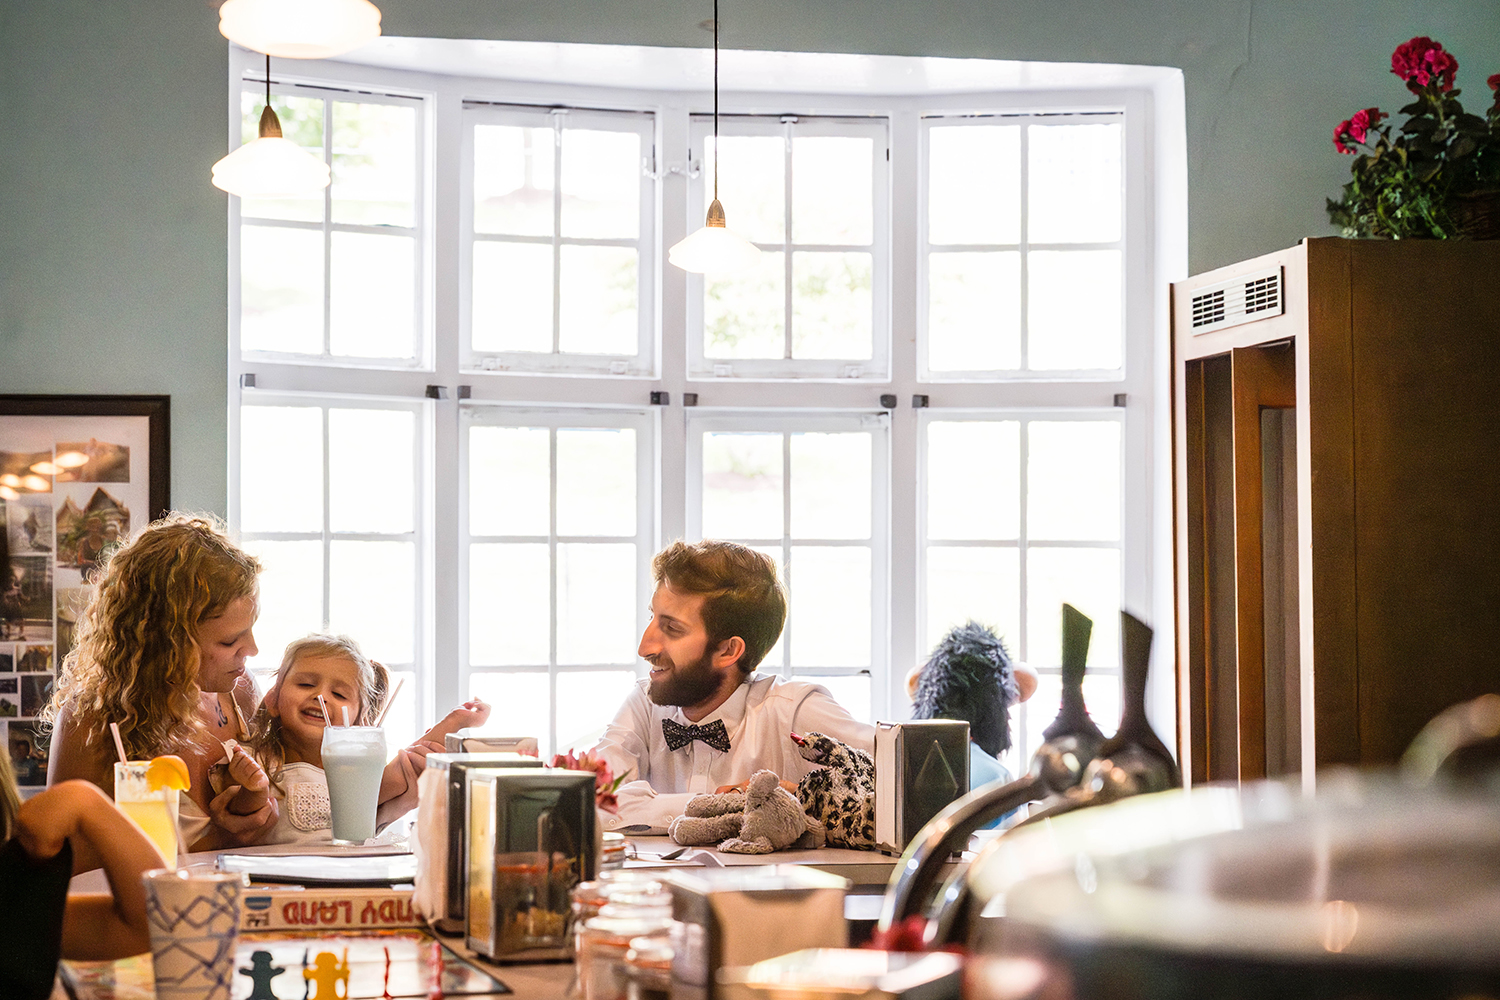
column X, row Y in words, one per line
column 704, row 721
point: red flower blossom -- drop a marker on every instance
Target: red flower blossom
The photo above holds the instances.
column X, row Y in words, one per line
column 1363, row 121
column 1420, row 61
column 1340, row 133
column 605, row 783
column 1494, row 82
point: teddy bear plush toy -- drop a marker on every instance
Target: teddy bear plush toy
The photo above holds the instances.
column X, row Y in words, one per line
column 763, row 818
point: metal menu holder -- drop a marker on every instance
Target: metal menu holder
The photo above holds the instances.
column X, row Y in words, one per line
column 455, row 819
column 533, row 836
column 920, row 767
column 738, row 916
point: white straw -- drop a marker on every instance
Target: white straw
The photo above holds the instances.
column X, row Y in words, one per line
column 390, row 698
column 114, row 728
column 346, row 714
column 327, row 719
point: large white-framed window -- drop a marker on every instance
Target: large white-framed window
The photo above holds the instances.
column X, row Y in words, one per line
column 557, row 391
column 335, row 501
column 339, row 277
column 813, row 193
column 559, row 527
column 559, row 239
column 811, row 490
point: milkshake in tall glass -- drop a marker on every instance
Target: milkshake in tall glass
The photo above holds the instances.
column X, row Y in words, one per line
column 353, row 759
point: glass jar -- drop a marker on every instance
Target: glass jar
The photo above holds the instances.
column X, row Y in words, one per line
column 632, row 912
column 612, row 851
column 648, row 968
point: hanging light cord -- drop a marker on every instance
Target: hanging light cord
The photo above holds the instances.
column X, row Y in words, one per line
column 716, row 100
column 268, row 76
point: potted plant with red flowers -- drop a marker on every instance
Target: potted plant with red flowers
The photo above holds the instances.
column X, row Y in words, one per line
column 1438, row 175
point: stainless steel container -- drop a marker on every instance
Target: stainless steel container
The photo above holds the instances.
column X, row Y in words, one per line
column 451, row 813
column 467, row 741
column 920, row 767
column 533, row 836
column 743, row 915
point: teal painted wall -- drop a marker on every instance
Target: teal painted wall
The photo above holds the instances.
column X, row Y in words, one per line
column 113, row 243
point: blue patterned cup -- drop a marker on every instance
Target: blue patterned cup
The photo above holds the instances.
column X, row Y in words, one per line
column 195, row 926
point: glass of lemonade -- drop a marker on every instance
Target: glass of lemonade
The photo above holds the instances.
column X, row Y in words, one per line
column 153, row 810
column 353, row 761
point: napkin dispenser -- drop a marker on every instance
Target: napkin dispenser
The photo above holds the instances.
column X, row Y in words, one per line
column 742, row 915
column 920, row 767
column 448, row 811
column 471, row 741
column 533, row 836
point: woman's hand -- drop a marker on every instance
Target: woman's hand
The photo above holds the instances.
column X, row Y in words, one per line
column 235, row 830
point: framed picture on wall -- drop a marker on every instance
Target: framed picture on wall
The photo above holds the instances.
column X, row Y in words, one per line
column 78, row 474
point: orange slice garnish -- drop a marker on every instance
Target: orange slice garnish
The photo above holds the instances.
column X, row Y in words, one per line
column 169, row 771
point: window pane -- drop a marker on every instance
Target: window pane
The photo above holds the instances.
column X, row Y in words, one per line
column 374, row 164
column 1073, row 309
column 850, row 691
column 281, row 468
column 587, row 702
column 512, row 297
column 1073, row 480
column 601, row 184
column 831, row 305
column 972, row 486
column 744, row 313
column 510, row 617
column 1088, row 579
column 831, row 485
column 281, row 290
column 372, row 312
column 518, row 703
column 831, row 190
column 978, row 584
column 513, row 180
column 752, row 185
column 291, row 596
column 596, row 603
column 509, row 479
column 973, row 311
column 596, row 481
column 742, row 481
column 974, row 184
column 1075, row 182
column 829, row 618
column 598, row 301
column 400, row 725
column 371, row 470
column 302, row 123
column 373, row 597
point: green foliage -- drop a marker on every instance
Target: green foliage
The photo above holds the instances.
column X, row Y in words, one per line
column 1413, row 182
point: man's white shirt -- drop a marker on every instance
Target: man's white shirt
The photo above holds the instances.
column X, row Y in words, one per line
column 759, row 717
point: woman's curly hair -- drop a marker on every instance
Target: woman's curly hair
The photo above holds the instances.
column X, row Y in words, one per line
column 267, row 738
column 135, row 654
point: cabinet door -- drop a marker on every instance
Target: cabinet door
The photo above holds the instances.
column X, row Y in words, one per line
column 1239, row 490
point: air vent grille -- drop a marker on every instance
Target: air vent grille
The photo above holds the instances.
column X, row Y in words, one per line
column 1240, row 300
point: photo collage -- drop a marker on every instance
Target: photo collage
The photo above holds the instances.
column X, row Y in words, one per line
column 71, row 487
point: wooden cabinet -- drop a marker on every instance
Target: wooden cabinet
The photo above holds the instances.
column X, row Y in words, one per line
column 1336, row 439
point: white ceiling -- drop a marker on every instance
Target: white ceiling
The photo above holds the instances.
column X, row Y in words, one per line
column 682, row 69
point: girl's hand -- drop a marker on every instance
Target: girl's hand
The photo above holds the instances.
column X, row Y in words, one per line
column 246, row 771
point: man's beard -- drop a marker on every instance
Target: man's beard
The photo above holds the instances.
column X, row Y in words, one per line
column 685, row 685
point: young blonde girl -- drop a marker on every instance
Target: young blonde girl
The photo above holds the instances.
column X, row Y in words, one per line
column 160, row 650
column 287, row 733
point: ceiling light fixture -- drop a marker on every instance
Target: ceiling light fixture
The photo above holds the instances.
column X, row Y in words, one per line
column 300, row 29
column 714, row 249
column 270, row 166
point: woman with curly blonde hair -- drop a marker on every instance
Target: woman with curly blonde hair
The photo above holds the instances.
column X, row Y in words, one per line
column 160, row 650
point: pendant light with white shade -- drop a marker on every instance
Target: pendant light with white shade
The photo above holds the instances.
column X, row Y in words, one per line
column 300, row 29
column 714, row 249
column 270, row 166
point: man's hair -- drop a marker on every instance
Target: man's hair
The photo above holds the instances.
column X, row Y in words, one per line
column 970, row 677
column 744, row 597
